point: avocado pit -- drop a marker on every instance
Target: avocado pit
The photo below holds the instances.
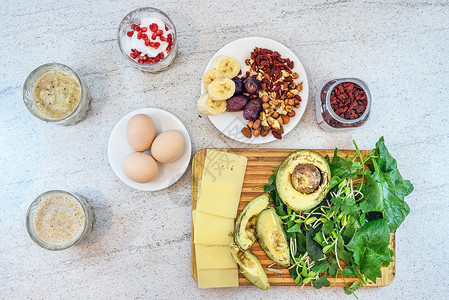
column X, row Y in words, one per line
column 306, row 178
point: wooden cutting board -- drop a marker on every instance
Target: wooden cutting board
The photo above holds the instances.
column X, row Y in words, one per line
column 261, row 163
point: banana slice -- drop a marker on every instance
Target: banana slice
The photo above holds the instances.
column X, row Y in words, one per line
column 221, row 89
column 209, row 107
column 226, row 65
column 210, row 76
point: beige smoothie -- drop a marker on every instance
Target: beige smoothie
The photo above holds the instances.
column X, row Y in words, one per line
column 59, row 219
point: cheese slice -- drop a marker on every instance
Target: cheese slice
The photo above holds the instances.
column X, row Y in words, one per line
column 221, row 165
column 218, row 278
column 219, row 198
column 221, row 186
column 212, row 230
column 214, row 257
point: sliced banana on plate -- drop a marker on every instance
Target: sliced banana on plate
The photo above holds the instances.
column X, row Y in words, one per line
column 209, row 107
column 221, row 89
column 210, row 76
column 226, row 65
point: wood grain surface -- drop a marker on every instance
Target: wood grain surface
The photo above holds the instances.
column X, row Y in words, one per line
column 261, row 162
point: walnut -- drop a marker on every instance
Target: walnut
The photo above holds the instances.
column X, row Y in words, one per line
column 273, row 123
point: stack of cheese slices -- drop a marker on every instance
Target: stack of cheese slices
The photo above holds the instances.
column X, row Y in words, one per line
column 213, row 219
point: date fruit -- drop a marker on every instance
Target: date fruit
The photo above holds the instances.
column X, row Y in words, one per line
column 239, row 88
column 253, row 109
column 236, row 103
column 252, row 85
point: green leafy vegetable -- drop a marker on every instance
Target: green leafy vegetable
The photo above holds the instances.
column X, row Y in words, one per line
column 370, row 248
column 351, row 289
column 352, row 224
column 385, row 189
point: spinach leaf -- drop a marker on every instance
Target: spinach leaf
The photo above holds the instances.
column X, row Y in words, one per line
column 301, row 244
column 370, row 248
column 384, row 192
column 386, row 162
column 313, row 248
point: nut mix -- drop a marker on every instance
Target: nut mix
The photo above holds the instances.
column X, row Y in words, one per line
column 271, row 79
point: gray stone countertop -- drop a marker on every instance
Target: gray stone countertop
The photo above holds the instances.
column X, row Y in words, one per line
column 140, row 246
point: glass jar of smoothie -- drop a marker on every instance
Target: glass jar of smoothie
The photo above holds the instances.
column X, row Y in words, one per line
column 343, row 104
column 57, row 220
column 55, row 93
column 147, row 39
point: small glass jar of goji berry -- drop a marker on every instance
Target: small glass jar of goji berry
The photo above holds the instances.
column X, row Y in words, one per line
column 147, row 38
column 343, row 103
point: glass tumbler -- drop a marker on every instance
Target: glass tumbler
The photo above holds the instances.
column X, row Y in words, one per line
column 33, row 216
column 135, row 17
column 28, row 88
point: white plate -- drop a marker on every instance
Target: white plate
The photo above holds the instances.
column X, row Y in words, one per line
column 118, row 149
column 230, row 123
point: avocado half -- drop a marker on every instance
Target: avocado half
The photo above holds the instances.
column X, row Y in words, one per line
column 250, row 267
column 245, row 227
column 272, row 237
column 303, row 179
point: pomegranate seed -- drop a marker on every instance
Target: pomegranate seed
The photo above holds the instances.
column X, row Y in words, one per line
column 130, row 33
column 154, row 36
column 161, row 55
column 133, row 26
column 137, row 52
column 140, row 61
column 137, row 28
column 145, row 57
column 144, row 37
column 163, row 39
column 139, row 35
column 156, row 45
column 159, row 32
column 170, row 36
column 147, row 43
column 152, row 44
column 133, row 55
column 168, row 49
column 153, row 27
column 166, row 28
column 157, row 59
column 144, row 29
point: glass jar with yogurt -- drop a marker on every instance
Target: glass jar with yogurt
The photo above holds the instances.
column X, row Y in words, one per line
column 55, row 93
column 147, row 38
column 57, row 220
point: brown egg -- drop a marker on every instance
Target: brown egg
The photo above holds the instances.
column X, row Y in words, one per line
column 168, row 146
column 140, row 167
column 140, row 132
